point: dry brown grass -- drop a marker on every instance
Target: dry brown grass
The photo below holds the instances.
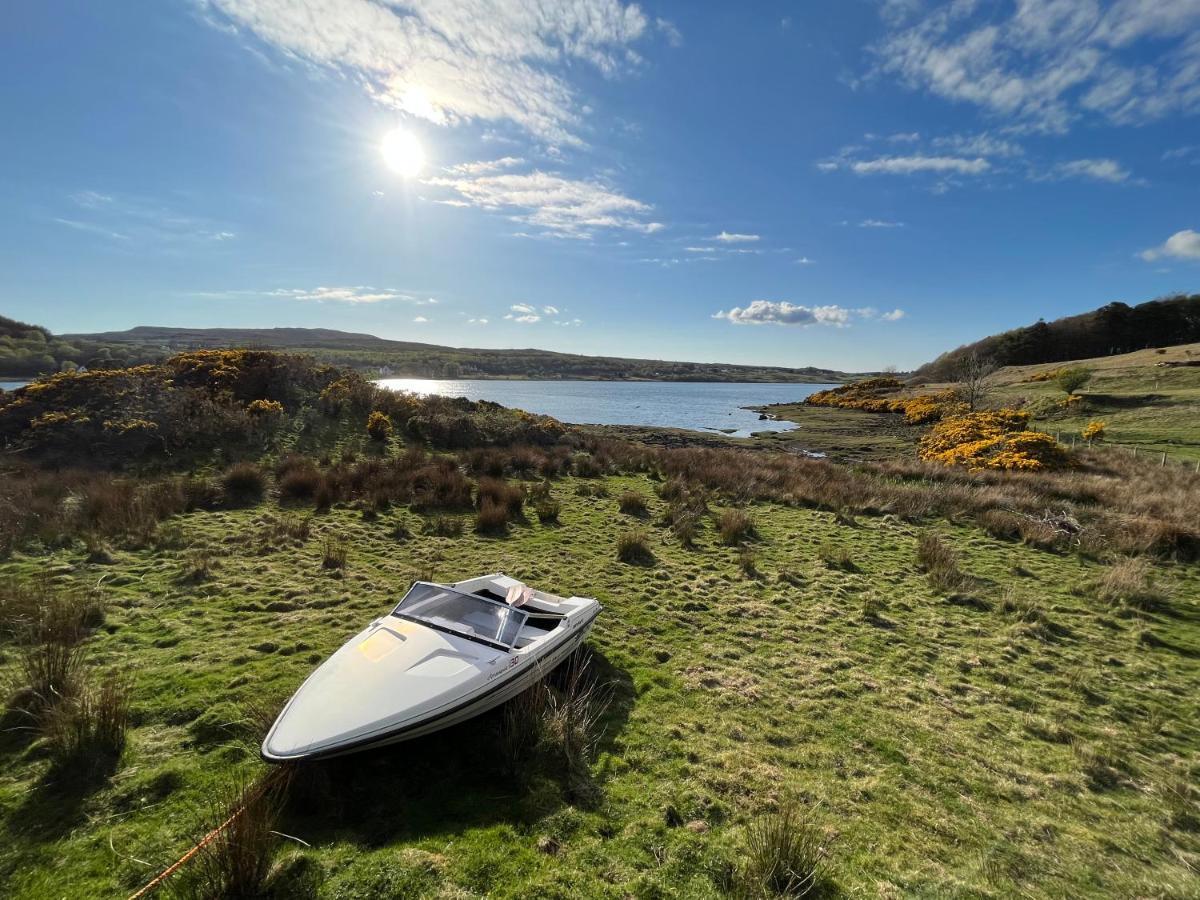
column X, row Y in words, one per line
column 632, row 503
column 1130, row 582
column 633, row 547
column 735, row 526
column 939, row 561
column 86, row 732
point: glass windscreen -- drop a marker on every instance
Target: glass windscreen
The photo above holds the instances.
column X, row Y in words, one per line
column 471, row 616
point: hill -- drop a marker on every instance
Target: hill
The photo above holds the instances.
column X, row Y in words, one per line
column 418, row 360
column 1109, row 330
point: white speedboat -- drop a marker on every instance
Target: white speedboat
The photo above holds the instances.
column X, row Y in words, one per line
column 444, row 654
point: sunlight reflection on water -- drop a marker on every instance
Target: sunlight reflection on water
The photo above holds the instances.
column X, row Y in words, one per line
column 698, row 406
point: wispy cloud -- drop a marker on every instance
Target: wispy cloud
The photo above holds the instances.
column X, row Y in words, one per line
column 880, row 223
column 139, row 223
column 523, row 313
column 469, row 60
column 1095, row 169
column 726, row 237
column 781, row 312
column 561, row 206
column 908, row 165
column 1181, row 245
column 359, row 294
column 1043, row 65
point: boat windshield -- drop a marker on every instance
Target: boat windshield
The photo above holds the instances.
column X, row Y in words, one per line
column 457, row 612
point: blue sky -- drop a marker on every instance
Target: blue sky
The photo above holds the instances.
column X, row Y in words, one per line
column 851, row 185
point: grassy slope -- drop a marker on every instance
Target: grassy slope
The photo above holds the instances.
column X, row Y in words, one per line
column 1145, row 405
column 1154, row 408
column 948, row 749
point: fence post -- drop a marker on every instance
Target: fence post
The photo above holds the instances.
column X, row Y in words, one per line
column 1164, row 460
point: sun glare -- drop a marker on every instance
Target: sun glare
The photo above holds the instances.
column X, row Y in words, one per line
column 402, row 152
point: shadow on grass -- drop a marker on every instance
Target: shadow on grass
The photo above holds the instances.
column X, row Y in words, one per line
column 54, row 805
column 440, row 784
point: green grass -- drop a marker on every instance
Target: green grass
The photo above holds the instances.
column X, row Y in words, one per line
column 1034, row 742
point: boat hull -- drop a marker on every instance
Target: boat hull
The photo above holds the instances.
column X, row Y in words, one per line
column 491, row 696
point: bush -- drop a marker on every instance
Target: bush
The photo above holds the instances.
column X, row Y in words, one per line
column 939, row 561
column 1072, row 379
column 244, row 484
column 735, row 527
column 784, row 856
column 1093, row 431
column 996, row 439
column 379, row 426
column 633, row 546
column 632, row 503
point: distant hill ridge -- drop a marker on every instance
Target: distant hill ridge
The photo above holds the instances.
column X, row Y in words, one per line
column 1112, row 329
column 410, row 358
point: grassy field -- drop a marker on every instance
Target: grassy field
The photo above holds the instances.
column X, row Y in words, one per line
column 1010, row 733
column 1146, row 399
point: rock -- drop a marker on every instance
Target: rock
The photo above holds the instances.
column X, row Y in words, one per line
column 697, row 826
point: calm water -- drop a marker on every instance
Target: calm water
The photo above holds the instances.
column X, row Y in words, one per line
column 698, row 406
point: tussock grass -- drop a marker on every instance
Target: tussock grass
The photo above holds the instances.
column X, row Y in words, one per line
column 939, row 561
column 784, row 855
column 492, row 517
column 548, row 510
column 237, row 862
column 1130, row 582
column 86, row 731
column 244, row 484
column 735, row 526
column 632, row 503
column 633, row 547
column 835, row 556
column 334, row 553
column 444, row 526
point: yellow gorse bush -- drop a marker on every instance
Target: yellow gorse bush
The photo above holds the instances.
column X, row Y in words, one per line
column 872, row 395
column 265, row 408
column 995, row 439
column 1048, row 375
column 1094, row 431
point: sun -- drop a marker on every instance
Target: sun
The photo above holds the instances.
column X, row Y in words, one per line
column 402, row 152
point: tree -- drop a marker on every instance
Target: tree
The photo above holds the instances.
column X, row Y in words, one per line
column 972, row 376
column 1071, row 380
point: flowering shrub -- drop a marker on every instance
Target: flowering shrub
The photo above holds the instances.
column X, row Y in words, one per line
column 996, row 439
column 1048, row 375
column 265, row 408
column 1093, row 431
column 379, row 426
column 873, row 395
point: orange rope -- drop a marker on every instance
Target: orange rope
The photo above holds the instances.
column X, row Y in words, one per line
column 263, row 787
column 171, row 869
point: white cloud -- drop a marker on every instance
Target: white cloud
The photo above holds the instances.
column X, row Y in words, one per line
column 805, row 261
column 563, row 207
column 485, row 166
column 420, row 320
column 1181, row 245
column 908, row 165
column 879, row 223
column 781, row 312
column 905, row 137
column 479, row 321
column 982, row 144
column 487, row 60
column 1098, row 169
column 1042, row 64
column 726, row 237
column 771, row 312
column 522, row 308
column 550, row 310
column 352, row 295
